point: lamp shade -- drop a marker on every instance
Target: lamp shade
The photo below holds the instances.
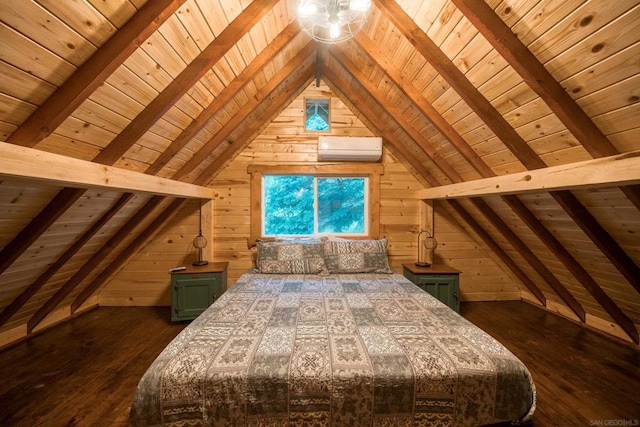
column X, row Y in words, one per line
column 429, row 243
column 200, row 242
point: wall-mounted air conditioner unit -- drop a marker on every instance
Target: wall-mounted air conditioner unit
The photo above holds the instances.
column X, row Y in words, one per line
column 349, row 148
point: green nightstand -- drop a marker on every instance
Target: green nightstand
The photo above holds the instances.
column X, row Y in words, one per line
column 193, row 290
column 439, row 280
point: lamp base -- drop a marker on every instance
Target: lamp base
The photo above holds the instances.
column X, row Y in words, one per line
column 200, row 263
column 422, row 264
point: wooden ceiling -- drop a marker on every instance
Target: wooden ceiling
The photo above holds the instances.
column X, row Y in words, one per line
column 460, row 90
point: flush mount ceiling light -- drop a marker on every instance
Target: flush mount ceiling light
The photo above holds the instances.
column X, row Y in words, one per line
column 332, row 21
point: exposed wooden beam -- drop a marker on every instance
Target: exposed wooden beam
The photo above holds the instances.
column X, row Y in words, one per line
column 93, row 262
column 72, row 93
column 38, row 225
column 318, row 67
column 112, row 245
column 583, row 277
column 536, row 76
column 496, row 122
column 30, row 163
column 612, row 171
column 226, row 95
column 547, row 178
column 126, row 253
column 373, row 118
column 277, row 104
column 459, row 82
column 264, row 92
column 528, row 255
column 422, row 104
column 588, row 224
column 86, row 79
column 184, row 81
column 70, row 285
column 483, row 169
column 34, row 287
column 542, row 82
column 497, row 249
column 118, row 146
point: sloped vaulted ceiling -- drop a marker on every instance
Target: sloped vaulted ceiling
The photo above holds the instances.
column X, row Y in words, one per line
column 459, row 89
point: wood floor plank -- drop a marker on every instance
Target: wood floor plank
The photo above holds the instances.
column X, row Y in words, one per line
column 84, row 372
column 582, row 378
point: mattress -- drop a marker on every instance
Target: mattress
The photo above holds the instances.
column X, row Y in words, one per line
column 340, row 350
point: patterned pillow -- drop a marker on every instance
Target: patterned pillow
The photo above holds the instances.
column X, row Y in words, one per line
column 295, row 256
column 356, row 256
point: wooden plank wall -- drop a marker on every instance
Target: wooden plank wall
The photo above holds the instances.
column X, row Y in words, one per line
column 144, row 281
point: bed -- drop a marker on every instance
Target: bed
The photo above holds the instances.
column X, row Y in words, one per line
column 346, row 349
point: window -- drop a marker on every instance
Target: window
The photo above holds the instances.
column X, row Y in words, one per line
column 316, row 114
column 308, row 205
column 315, row 199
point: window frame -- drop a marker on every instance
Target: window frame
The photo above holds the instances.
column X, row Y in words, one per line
column 304, row 122
column 316, row 206
column 372, row 171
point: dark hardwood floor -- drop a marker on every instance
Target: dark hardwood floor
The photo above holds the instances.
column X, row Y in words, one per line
column 84, row 372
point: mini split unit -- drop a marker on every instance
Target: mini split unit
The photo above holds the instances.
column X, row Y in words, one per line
column 349, row 148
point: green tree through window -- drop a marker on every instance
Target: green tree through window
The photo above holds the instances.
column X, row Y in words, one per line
column 306, row 205
column 341, row 206
column 317, row 114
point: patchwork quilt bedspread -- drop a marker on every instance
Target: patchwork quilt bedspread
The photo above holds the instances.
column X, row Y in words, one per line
column 339, row 350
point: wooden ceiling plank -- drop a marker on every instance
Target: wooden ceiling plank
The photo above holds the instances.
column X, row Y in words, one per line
column 226, row 95
column 542, row 82
column 536, row 76
column 126, row 253
column 38, row 225
column 610, row 171
column 76, row 279
column 373, row 118
column 69, row 96
column 246, row 109
column 93, row 262
column 184, row 81
column 90, row 75
column 494, row 120
column 30, row 163
column 34, row 287
column 276, row 105
column 465, row 89
column 423, row 104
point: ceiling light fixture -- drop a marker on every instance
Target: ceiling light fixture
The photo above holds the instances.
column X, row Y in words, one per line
column 332, row 21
